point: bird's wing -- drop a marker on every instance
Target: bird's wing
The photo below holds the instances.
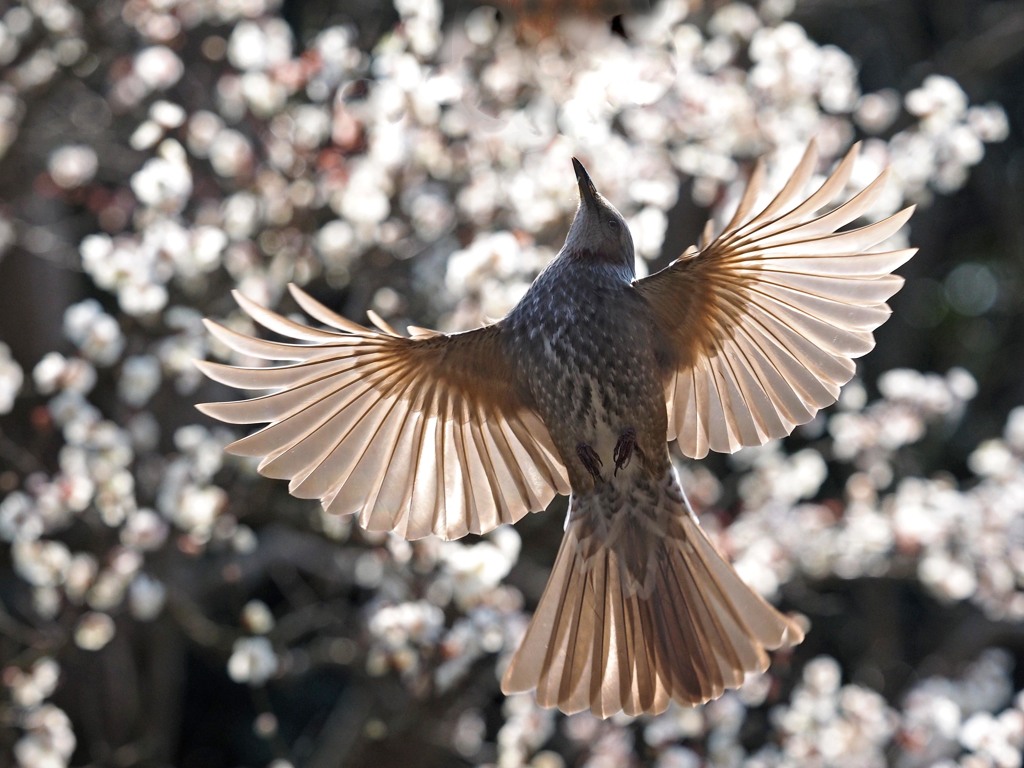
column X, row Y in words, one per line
column 763, row 322
column 422, row 435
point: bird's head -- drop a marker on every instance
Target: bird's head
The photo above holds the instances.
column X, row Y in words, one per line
column 598, row 233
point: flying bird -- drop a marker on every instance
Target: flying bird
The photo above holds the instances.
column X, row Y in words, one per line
column 578, row 390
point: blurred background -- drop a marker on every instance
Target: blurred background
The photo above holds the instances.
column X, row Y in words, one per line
column 163, row 605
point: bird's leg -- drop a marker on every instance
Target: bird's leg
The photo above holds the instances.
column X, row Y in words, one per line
column 590, row 460
column 624, row 448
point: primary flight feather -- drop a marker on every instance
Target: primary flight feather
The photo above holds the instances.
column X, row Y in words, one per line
column 578, row 390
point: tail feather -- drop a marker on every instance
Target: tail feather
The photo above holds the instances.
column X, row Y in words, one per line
column 604, row 641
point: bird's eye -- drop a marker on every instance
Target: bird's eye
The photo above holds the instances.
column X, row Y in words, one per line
column 613, row 223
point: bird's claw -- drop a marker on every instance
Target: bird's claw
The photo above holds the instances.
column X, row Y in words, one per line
column 590, row 460
column 624, row 448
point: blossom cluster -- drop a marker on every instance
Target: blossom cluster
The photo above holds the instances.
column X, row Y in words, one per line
column 961, row 541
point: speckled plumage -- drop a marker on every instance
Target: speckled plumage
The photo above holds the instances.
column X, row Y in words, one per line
column 579, row 389
column 584, row 344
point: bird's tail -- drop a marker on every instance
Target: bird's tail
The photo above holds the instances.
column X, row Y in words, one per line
column 640, row 609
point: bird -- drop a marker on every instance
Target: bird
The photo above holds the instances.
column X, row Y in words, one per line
column 579, row 390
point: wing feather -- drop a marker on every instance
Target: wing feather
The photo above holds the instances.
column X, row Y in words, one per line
column 764, row 321
column 418, row 435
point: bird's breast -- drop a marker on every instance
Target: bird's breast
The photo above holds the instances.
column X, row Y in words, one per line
column 588, row 358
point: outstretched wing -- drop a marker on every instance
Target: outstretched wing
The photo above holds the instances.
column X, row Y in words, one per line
column 423, row 435
column 764, row 321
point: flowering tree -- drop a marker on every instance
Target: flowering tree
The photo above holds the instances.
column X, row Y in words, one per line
column 163, row 604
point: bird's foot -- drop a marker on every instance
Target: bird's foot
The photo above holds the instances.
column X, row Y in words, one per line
column 590, row 460
column 624, row 448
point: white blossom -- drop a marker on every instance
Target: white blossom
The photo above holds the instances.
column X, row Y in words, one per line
column 252, row 661
column 94, row 631
column 49, row 740
column 11, row 379
column 73, row 166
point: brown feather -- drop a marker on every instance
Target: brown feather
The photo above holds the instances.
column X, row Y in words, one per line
column 602, row 641
column 763, row 322
column 417, row 435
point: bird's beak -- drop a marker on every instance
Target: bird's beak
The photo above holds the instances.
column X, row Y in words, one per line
column 588, row 193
